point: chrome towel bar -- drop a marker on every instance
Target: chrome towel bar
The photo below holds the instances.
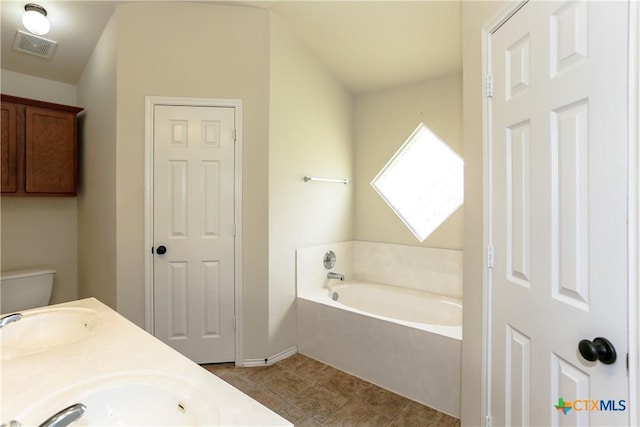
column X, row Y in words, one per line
column 337, row 181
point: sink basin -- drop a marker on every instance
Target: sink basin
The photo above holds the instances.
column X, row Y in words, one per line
column 46, row 329
column 133, row 399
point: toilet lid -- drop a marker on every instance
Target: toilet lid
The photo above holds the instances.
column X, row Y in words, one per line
column 17, row 274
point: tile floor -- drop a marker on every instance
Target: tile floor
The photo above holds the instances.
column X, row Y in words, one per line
column 310, row 393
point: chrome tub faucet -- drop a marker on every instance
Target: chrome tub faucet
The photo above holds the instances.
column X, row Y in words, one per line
column 338, row 276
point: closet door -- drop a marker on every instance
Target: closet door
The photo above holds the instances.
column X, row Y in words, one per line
column 559, row 207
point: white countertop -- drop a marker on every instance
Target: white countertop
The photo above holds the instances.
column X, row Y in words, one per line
column 35, row 386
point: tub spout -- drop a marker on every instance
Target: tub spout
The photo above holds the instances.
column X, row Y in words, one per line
column 332, row 275
column 66, row 416
column 9, row 318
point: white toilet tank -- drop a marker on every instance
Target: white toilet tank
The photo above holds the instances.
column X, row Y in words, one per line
column 25, row 289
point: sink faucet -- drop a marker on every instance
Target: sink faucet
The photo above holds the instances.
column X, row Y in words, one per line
column 9, row 318
column 66, row 416
column 332, row 275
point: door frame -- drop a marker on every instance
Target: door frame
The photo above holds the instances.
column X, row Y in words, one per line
column 633, row 207
column 150, row 103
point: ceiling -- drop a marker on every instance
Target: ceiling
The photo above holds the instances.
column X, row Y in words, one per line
column 75, row 25
column 367, row 45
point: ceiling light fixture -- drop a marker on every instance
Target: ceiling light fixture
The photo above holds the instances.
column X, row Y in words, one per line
column 35, row 19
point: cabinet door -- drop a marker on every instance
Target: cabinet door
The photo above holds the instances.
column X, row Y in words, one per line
column 50, row 151
column 9, row 149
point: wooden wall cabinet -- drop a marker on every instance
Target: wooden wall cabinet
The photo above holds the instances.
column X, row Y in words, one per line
column 39, row 148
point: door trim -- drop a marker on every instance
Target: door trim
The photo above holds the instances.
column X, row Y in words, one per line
column 633, row 201
column 487, row 200
column 150, row 103
column 634, row 211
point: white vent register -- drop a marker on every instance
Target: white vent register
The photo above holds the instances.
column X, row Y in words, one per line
column 34, row 45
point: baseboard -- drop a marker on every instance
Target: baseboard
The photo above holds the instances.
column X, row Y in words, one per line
column 270, row 360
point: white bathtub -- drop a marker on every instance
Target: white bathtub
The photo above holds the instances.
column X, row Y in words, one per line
column 419, row 309
column 405, row 340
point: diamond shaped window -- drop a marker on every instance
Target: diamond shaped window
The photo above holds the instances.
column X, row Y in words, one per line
column 423, row 183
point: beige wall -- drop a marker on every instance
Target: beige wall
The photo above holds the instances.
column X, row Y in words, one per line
column 309, row 134
column 26, row 86
column 97, row 192
column 41, row 230
column 383, row 122
column 474, row 16
column 193, row 50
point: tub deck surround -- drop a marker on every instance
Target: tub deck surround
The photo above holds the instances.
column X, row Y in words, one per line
column 115, row 351
column 434, row 270
column 416, row 357
column 411, row 361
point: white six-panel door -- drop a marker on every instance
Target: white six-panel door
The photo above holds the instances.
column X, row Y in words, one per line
column 193, row 203
column 559, row 212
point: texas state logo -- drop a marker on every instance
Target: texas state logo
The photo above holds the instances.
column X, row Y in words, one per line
column 563, row 406
column 590, row 405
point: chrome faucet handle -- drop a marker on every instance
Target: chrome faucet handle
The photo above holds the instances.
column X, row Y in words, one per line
column 66, row 416
column 9, row 318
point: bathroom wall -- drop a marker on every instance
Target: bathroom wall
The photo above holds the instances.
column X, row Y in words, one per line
column 26, row 86
column 193, row 50
column 137, row 56
column 383, row 122
column 311, row 275
column 97, row 158
column 474, row 16
column 41, row 230
column 310, row 133
column 432, row 270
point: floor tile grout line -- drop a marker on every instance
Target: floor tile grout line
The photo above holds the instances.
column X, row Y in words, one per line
column 399, row 412
column 331, row 414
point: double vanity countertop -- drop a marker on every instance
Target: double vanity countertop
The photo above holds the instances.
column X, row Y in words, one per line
column 84, row 352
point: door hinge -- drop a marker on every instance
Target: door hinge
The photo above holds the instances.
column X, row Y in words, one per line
column 234, row 323
column 489, row 86
column 490, row 256
column 235, row 230
column 235, row 135
column 488, row 421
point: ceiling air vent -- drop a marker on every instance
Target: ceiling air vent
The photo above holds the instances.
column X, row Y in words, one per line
column 34, row 45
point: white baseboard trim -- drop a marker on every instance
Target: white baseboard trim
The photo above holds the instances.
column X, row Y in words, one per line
column 249, row 363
